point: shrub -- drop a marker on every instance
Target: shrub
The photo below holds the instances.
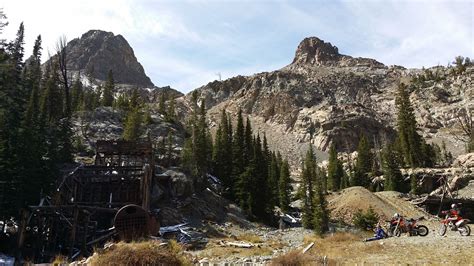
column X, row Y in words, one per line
column 365, row 221
column 142, row 253
column 296, row 258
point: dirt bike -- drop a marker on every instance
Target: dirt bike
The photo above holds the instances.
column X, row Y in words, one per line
column 460, row 225
column 400, row 225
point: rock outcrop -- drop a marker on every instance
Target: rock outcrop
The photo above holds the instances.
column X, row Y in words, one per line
column 96, row 52
column 325, row 97
column 315, row 52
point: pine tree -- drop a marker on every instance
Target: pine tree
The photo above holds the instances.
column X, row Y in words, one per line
column 51, row 109
column 260, row 202
column 76, row 94
column 391, row 171
column 162, row 104
column 248, row 142
column 217, row 156
column 334, row 170
column 122, row 103
column 364, row 163
column 33, row 82
column 199, row 150
column 315, row 213
column 284, row 186
column 134, row 100
column 169, row 149
column 272, row 190
column 109, row 88
column 132, row 127
column 171, row 113
column 320, row 219
column 470, row 144
column 238, row 166
column 307, row 176
column 410, row 141
column 202, row 142
column 414, row 187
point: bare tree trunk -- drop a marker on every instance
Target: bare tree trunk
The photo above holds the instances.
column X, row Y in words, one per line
column 62, row 59
column 466, row 122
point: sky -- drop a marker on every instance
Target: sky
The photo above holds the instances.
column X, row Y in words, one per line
column 186, row 44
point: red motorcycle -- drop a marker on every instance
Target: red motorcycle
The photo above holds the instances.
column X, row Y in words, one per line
column 399, row 226
column 460, row 225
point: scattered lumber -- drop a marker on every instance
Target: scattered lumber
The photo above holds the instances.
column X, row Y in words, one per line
column 308, row 247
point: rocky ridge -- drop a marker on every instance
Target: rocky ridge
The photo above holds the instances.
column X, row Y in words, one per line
column 324, row 97
column 96, row 52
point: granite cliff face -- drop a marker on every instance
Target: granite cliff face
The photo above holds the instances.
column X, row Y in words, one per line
column 96, row 52
column 315, row 52
column 324, row 97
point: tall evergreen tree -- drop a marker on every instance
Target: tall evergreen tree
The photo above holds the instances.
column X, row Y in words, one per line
column 284, row 186
column 391, row 171
column 171, row 113
column 335, row 171
column 162, row 104
column 76, row 94
column 109, row 89
column 132, row 127
column 248, row 142
column 363, row 164
column 307, row 176
column 272, row 190
column 409, row 139
column 315, row 213
column 320, row 218
column 238, row 166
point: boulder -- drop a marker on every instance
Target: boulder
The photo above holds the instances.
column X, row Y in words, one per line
column 181, row 184
column 464, row 161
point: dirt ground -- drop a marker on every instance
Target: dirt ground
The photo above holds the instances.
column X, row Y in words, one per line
column 345, row 203
column 346, row 245
column 430, row 250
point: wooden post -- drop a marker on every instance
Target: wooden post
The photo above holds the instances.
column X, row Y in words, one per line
column 86, row 229
column 21, row 236
column 74, row 229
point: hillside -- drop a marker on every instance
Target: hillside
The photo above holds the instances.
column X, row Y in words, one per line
column 325, row 97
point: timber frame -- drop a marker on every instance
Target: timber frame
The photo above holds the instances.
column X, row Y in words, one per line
column 82, row 212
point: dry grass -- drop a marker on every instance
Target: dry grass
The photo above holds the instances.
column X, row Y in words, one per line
column 295, row 258
column 341, row 246
column 215, row 250
column 59, row 260
column 252, row 238
column 142, row 253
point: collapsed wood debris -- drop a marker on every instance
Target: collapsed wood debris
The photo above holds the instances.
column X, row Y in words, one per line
column 94, row 204
column 308, row 247
column 184, row 234
column 240, row 244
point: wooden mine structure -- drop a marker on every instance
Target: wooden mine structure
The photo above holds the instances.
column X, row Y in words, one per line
column 93, row 204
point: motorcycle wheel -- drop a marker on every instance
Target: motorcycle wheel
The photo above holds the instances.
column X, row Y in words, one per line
column 397, row 232
column 465, row 230
column 442, row 229
column 422, row 230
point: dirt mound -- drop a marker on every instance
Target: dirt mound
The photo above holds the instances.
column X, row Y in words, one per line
column 344, row 204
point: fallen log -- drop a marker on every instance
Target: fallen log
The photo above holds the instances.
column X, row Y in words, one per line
column 237, row 244
column 308, row 247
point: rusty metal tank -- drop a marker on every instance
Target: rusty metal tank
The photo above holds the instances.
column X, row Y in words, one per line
column 132, row 222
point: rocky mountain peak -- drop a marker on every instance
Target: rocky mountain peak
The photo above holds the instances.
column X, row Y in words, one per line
column 96, row 52
column 315, row 51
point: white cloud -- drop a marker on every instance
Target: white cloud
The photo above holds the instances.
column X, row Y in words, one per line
column 185, row 43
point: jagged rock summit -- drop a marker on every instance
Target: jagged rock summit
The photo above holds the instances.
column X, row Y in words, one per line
column 324, row 97
column 96, row 52
column 313, row 51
